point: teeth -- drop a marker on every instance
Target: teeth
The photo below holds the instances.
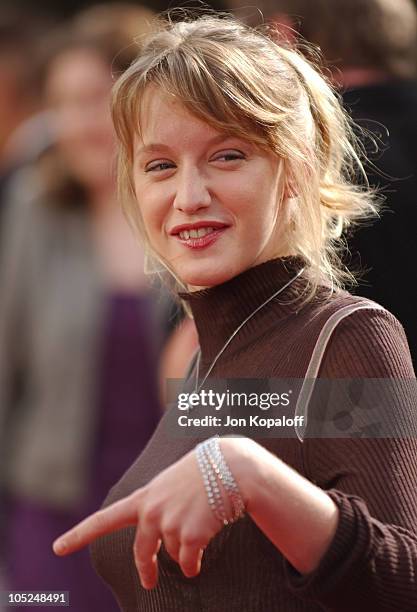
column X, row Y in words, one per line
column 203, row 231
column 195, row 233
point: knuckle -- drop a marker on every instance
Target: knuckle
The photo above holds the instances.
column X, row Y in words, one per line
column 138, row 496
column 151, row 513
column 192, row 538
column 170, row 529
column 100, row 519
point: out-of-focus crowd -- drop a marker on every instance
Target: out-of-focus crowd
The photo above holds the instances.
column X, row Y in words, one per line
column 82, row 327
column 88, row 334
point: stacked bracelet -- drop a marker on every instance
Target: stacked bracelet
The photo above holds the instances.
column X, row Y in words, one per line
column 211, row 484
column 216, row 475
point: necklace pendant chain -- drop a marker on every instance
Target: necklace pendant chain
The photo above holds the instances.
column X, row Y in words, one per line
column 197, row 386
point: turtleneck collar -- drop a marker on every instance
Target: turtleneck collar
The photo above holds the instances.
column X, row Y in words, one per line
column 219, row 310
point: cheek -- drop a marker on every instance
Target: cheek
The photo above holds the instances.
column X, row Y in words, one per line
column 255, row 194
column 151, row 213
column 260, row 207
column 146, row 216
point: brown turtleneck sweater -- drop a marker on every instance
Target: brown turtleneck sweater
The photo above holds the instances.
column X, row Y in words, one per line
column 372, row 561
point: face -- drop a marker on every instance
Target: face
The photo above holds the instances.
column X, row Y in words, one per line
column 210, row 203
column 78, row 91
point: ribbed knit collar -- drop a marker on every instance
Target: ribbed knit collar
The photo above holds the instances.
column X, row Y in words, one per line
column 219, row 310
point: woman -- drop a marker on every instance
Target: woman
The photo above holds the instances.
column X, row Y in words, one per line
column 234, row 165
column 78, row 323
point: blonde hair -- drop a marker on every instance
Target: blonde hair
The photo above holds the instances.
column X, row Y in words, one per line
column 240, row 81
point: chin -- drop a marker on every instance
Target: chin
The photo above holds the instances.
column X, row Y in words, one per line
column 204, row 278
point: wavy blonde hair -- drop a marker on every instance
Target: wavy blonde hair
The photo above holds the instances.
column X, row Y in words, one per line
column 241, row 81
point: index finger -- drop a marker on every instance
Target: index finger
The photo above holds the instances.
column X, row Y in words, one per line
column 123, row 513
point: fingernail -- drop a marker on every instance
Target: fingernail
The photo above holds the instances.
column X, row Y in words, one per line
column 59, row 547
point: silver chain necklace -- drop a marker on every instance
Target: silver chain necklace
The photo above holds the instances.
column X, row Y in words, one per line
column 197, row 387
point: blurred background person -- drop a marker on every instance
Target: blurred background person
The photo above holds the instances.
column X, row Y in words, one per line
column 79, row 325
column 370, row 47
column 23, row 125
column 23, row 128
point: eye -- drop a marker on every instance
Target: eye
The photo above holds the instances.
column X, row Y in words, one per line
column 229, row 155
column 159, row 166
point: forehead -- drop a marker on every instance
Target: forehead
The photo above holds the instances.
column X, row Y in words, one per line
column 164, row 119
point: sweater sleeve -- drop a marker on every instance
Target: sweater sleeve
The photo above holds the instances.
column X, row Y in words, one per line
column 371, row 563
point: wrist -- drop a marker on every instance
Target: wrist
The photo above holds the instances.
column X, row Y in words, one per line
column 241, row 455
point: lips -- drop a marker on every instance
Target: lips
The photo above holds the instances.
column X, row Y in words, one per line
column 197, row 229
column 198, row 235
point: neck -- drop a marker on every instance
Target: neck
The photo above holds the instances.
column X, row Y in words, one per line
column 219, row 310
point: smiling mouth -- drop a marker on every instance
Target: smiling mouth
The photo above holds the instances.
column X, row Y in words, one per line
column 195, row 233
column 200, row 238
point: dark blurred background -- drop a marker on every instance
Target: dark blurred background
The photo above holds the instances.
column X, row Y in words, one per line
column 66, row 8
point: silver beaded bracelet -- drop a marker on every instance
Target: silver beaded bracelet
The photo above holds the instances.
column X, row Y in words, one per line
column 211, row 485
column 216, row 474
column 226, row 478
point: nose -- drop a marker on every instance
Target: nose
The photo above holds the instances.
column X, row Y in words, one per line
column 192, row 192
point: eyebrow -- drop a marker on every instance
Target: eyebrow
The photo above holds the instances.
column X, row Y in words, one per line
column 155, row 147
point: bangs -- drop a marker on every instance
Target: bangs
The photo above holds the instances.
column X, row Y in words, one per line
column 208, row 89
column 211, row 93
